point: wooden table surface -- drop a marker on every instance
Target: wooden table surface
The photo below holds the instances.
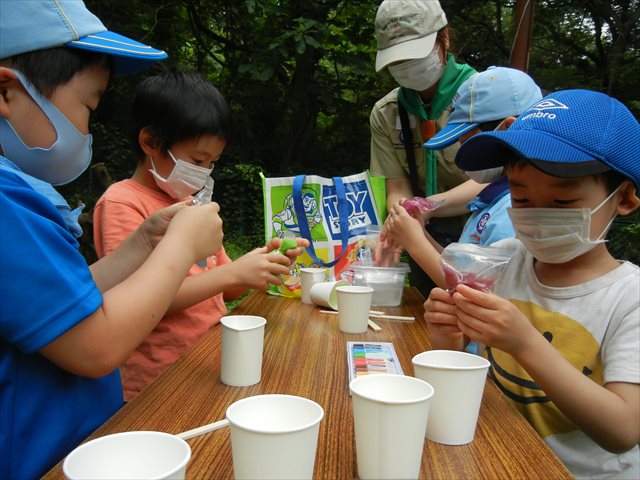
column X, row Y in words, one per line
column 305, row 355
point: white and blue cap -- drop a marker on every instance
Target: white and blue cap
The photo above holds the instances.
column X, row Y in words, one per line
column 31, row 25
column 567, row 134
column 495, row 94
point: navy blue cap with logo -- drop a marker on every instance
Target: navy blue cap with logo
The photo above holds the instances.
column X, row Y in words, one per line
column 569, row 133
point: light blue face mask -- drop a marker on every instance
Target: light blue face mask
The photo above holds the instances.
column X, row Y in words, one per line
column 62, row 162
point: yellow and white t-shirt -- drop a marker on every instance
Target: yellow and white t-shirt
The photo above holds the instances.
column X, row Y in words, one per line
column 596, row 327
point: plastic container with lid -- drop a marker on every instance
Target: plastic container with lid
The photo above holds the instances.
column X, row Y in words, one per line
column 387, row 282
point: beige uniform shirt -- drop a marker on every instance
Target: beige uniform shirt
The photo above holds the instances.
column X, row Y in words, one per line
column 388, row 156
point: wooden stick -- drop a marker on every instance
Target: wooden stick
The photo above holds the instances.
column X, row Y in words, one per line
column 203, row 429
column 374, row 326
column 394, row 317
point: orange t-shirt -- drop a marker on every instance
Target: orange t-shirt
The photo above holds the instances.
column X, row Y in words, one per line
column 120, row 210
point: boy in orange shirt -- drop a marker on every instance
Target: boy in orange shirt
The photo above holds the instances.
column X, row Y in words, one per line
column 177, row 140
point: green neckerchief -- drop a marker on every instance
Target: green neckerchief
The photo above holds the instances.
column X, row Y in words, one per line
column 453, row 76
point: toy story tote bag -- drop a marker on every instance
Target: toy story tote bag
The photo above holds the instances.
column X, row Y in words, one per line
column 335, row 214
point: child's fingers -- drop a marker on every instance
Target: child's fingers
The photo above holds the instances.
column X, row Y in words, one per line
column 465, row 326
column 303, row 242
column 441, row 295
column 483, row 299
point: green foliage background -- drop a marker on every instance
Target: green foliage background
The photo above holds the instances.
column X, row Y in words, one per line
column 300, row 79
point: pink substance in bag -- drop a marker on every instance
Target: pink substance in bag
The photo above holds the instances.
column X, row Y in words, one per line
column 420, row 205
column 453, row 278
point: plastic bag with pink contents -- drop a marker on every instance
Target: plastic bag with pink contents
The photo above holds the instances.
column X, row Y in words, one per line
column 473, row 265
column 420, row 205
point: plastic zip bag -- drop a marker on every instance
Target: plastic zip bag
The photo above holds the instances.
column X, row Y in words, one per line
column 473, row 265
column 420, row 205
column 204, row 195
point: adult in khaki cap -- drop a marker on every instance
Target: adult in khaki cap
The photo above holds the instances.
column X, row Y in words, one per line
column 413, row 44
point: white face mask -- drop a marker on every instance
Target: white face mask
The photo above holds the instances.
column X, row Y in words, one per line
column 489, row 175
column 557, row 235
column 419, row 74
column 184, row 180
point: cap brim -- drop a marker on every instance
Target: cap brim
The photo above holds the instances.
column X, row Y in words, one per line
column 548, row 153
column 409, row 50
column 128, row 55
column 449, row 135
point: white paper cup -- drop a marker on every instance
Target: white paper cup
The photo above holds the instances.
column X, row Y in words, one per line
column 242, row 342
column 274, row 436
column 129, row 455
column 390, row 415
column 309, row 277
column 354, row 304
column 324, row 294
column 458, row 379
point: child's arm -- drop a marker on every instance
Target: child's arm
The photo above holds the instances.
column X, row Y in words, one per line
column 131, row 247
column 440, row 313
column 456, row 199
column 133, row 307
column 409, row 233
column 256, row 269
column 610, row 415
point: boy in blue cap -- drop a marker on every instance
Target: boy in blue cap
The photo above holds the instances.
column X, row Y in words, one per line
column 65, row 327
column 481, row 103
column 562, row 329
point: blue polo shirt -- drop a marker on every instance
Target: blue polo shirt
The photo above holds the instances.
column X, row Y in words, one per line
column 489, row 221
column 46, row 289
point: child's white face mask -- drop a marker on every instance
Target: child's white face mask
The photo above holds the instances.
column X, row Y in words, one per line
column 557, row 235
column 184, row 180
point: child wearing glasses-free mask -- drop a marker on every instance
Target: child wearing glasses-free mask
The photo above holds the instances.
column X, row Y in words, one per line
column 181, row 124
column 562, row 327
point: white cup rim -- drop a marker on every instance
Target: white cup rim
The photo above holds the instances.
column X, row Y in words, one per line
column 423, row 360
column 230, row 413
column 92, row 443
column 373, row 378
column 354, row 289
column 229, row 321
column 312, row 270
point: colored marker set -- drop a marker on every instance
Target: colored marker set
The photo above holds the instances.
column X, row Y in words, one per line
column 370, row 358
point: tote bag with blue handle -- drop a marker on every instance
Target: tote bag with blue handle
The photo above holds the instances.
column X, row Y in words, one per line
column 336, row 213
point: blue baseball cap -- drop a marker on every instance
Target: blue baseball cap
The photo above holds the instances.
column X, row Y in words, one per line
column 31, row 25
column 570, row 133
column 495, row 94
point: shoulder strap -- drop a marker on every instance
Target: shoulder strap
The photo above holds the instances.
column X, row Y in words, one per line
column 407, row 139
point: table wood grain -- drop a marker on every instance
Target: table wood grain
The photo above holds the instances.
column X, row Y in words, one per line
column 305, row 355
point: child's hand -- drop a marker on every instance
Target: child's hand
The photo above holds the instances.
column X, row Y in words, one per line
column 492, row 320
column 291, row 253
column 440, row 313
column 155, row 225
column 386, row 252
column 402, row 228
column 199, row 228
column 259, row 268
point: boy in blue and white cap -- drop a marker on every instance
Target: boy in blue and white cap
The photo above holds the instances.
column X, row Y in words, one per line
column 562, row 329
column 66, row 327
column 483, row 102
